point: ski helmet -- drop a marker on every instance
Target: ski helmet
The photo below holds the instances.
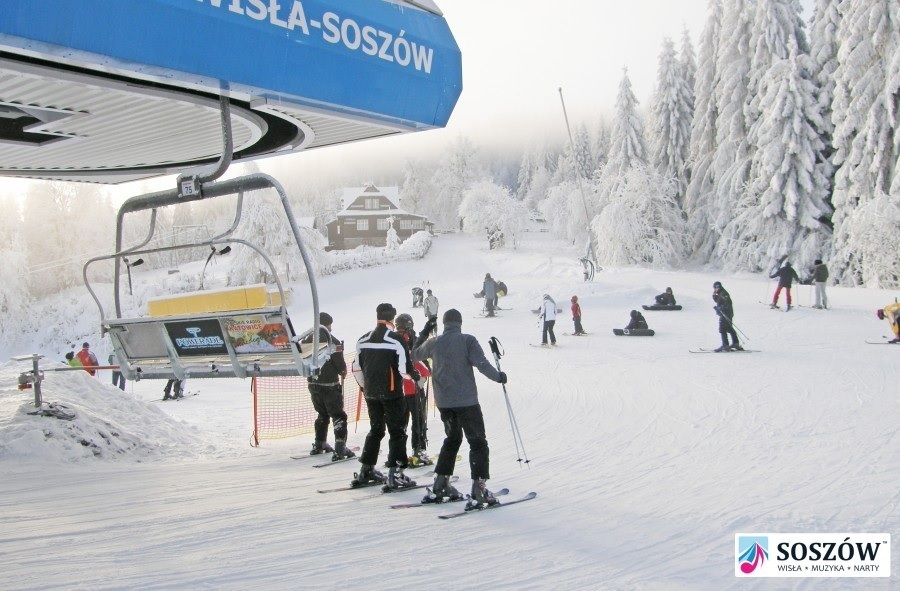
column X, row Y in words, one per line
column 404, row 322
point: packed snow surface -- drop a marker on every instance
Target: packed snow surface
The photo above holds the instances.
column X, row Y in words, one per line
column 647, row 459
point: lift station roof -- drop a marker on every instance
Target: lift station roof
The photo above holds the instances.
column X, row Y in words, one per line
column 111, row 91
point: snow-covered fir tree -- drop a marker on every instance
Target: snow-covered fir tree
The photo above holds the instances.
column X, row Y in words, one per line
column 866, row 126
column 581, row 153
column 699, row 195
column 602, row 141
column 784, row 203
column 672, row 113
column 392, row 240
column 731, row 162
column 627, row 147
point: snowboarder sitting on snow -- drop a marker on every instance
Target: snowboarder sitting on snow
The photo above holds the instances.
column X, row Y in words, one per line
column 637, row 321
column 891, row 313
column 786, row 276
column 72, row 360
column 667, row 298
column 725, row 310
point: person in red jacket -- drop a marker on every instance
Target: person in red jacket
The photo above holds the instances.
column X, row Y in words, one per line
column 576, row 316
column 87, row 359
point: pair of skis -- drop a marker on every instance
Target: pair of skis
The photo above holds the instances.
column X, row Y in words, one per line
column 470, row 510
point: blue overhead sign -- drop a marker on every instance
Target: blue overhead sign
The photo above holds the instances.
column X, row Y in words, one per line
column 376, row 59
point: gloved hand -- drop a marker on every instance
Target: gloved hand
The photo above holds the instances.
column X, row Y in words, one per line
column 502, row 377
column 430, row 326
column 415, row 375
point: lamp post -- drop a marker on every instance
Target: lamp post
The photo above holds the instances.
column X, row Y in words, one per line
column 129, row 265
column 213, row 252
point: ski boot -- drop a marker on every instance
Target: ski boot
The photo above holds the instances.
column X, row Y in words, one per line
column 420, row 458
column 481, row 496
column 722, row 349
column 442, row 491
column 397, row 479
column 367, row 474
column 736, row 347
column 320, row 447
column 341, row 451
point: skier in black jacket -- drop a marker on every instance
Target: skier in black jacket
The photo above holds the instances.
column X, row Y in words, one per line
column 327, row 394
column 725, row 310
column 786, row 276
column 383, row 356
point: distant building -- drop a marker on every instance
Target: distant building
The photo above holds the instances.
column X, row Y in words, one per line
column 367, row 216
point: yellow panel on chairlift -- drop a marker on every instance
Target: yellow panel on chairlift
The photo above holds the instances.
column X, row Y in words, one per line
column 222, row 300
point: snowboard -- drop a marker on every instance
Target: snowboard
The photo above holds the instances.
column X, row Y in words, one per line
column 633, row 332
column 661, row 307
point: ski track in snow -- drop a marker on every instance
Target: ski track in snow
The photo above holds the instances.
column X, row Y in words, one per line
column 673, row 453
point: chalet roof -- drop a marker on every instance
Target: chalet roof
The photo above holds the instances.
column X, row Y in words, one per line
column 351, row 194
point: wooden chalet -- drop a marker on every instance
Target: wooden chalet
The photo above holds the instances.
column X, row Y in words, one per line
column 367, row 216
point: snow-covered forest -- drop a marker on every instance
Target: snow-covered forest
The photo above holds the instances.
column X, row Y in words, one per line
column 772, row 138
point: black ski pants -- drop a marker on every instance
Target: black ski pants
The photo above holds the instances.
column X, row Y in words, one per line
column 466, row 420
column 386, row 414
column 416, row 409
column 725, row 329
column 328, row 401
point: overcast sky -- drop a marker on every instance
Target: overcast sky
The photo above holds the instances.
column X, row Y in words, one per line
column 516, row 56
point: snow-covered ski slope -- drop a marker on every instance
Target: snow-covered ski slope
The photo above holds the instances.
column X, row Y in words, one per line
column 647, row 460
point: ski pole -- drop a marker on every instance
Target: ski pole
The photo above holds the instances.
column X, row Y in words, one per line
column 514, row 426
column 733, row 325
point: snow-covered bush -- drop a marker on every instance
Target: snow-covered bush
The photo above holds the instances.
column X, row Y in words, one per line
column 641, row 222
column 490, row 208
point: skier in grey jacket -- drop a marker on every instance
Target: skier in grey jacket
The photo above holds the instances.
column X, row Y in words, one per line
column 453, row 356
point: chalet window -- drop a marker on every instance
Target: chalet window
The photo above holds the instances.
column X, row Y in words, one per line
column 405, row 224
column 384, row 224
column 362, row 225
column 371, row 202
column 417, row 224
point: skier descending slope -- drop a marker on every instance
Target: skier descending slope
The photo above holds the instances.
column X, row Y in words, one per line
column 453, row 356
